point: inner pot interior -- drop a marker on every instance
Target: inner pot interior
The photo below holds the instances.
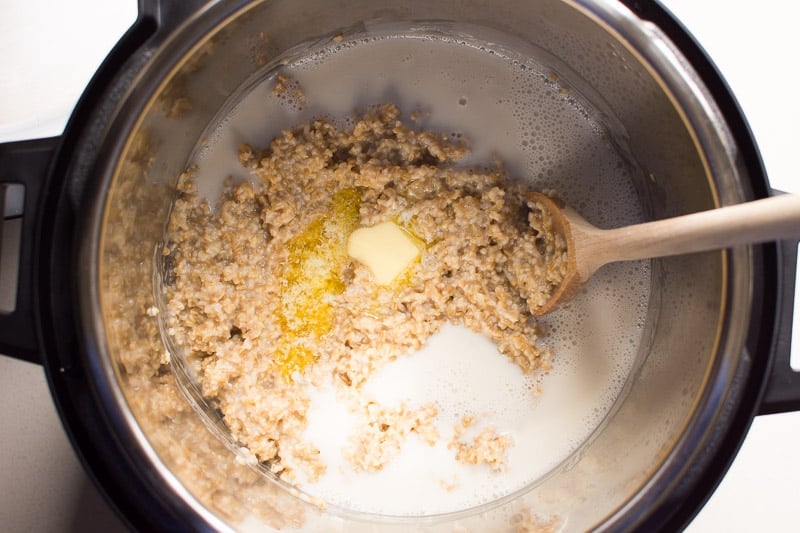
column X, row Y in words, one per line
column 552, row 91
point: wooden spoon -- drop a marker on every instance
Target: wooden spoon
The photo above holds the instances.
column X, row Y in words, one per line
column 589, row 248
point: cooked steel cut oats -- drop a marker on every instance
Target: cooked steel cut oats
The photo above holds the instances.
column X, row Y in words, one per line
column 265, row 302
column 382, row 433
column 487, row 446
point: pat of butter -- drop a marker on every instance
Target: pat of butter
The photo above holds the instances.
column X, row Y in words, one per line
column 385, row 248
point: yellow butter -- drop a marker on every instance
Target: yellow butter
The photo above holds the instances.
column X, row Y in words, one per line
column 385, row 248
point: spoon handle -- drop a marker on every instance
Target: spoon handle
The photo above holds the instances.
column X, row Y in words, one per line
column 768, row 219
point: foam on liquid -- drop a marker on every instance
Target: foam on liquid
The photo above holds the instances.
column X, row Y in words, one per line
column 517, row 110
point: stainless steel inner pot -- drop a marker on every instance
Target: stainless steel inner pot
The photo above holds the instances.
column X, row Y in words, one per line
column 682, row 388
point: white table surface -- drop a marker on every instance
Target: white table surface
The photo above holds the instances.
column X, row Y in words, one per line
column 48, row 51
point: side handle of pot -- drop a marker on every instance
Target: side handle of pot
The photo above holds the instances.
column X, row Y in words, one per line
column 782, row 392
column 23, row 168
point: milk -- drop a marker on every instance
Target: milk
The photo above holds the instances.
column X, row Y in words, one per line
column 520, row 111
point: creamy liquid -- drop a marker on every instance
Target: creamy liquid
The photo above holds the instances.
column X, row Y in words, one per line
column 518, row 111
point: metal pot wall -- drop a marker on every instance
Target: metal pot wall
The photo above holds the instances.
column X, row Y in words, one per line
column 716, row 344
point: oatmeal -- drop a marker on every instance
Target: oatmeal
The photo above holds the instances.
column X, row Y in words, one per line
column 383, row 432
column 487, row 446
column 265, row 302
column 289, row 91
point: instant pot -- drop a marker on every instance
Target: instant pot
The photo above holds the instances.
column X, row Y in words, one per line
column 96, row 200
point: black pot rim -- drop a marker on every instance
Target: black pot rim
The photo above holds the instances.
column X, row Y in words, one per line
column 140, row 499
